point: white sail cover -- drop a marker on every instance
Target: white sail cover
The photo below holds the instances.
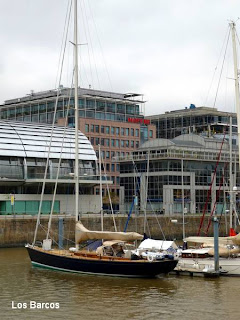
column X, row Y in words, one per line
column 83, row 234
column 150, row 244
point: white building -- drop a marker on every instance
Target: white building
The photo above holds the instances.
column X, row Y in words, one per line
column 24, row 151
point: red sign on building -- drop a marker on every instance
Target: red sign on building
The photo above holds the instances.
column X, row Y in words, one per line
column 136, row 120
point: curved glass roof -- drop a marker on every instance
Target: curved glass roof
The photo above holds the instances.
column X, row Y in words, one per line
column 31, row 140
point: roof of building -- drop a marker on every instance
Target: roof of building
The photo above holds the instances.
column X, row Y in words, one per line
column 21, row 139
column 186, row 141
column 199, row 111
column 128, row 97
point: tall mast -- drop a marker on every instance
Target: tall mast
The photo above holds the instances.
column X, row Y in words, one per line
column 235, row 62
column 232, row 25
column 100, row 174
column 76, row 111
column 230, row 175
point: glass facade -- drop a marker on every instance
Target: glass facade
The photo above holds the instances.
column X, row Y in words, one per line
column 33, row 168
column 88, row 107
column 202, row 120
column 184, row 166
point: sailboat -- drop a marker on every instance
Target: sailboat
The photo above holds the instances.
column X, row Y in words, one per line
column 111, row 257
column 201, row 259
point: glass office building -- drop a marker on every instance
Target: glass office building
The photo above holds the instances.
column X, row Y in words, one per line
column 202, row 120
column 114, row 121
column 179, row 172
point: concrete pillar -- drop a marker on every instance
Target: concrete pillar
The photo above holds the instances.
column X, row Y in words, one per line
column 60, row 233
column 121, row 199
column 168, row 199
column 213, row 192
column 192, row 193
column 142, row 191
column 24, row 168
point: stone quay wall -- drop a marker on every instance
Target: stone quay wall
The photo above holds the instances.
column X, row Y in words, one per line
column 17, row 231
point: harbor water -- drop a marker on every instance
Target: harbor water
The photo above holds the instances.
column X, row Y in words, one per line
column 33, row 293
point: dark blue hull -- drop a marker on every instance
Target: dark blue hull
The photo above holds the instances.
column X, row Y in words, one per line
column 123, row 268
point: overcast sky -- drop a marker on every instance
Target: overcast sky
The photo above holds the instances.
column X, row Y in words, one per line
column 167, row 50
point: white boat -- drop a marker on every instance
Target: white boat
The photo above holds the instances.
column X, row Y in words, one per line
column 152, row 249
column 201, row 259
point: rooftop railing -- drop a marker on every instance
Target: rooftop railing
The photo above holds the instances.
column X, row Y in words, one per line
column 177, row 154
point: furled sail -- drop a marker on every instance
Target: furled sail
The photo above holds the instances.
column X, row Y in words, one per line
column 82, row 234
column 210, row 240
column 224, row 252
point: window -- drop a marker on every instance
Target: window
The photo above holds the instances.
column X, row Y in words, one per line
column 49, row 118
column 107, row 142
column 90, row 114
column 92, row 141
column 112, row 130
column 107, row 129
column 117, row 143
column 90, row 104
column 35, row 118
column 107, row 166
column 111, row 107
column 150, row 133
column 92, row 128
column 97, row 128
column 102, row 141
column 122, row 131
column 120, row 108
column 137, row 132
column 99, row 115
column 130, row 109
column 42, row 107
column 117, row 167
column 11, row 112
column 107, row 154
column 137, row 144
column 86, row 127
column 97, row 141
column 51, row 106
column 117, row 131
column 122, row 143
column 81, row 103
column 103, row 154
column 132, row 143
column 113, row 167
column 19, row 110
column 100, row 105
column 112, row 142
column 127, row 131
column 113, row 179
column 132, row 132
column 42, row 118
column 97, row 191
column 127, row 143
column 112, row 154
column 102, row 129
